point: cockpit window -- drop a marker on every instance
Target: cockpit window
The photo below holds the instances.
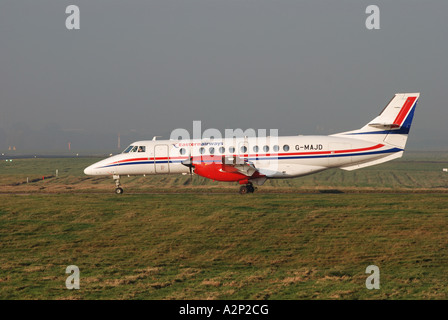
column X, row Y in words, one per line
column 128, row 149
column 135, row 149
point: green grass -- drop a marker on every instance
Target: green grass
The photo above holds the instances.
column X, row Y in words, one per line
column 312, row 239
column 260, row 246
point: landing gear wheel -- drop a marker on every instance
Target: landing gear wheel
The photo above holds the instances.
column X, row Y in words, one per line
column 248, row 188
column 243, row 190
column 118, row 191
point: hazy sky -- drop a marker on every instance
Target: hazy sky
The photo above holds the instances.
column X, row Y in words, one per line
column 143, row 68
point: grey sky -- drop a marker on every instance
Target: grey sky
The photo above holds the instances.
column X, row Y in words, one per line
column 143, row 68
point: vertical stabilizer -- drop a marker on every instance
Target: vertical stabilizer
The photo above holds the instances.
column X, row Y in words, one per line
column 393, row 123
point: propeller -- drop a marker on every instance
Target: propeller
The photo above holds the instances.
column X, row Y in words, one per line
column 189, row 163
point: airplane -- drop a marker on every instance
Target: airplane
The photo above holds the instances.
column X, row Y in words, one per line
column 252, row 160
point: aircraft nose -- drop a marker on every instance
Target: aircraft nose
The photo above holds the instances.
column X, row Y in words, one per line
column 100, row 168
column 88, row 171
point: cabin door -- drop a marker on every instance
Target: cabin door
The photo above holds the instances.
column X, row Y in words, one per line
column 161, row 158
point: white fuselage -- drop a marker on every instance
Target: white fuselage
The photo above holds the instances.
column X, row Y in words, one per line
column 279, row 157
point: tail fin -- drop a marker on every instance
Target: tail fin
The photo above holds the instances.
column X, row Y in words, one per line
column 392, row 125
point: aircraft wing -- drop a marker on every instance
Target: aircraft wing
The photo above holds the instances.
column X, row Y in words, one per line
column 236, row 164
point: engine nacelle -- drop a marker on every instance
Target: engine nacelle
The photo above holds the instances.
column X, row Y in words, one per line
column 214, row 171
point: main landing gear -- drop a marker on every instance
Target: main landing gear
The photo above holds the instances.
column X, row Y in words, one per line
column 248, row 188
column 118, row 189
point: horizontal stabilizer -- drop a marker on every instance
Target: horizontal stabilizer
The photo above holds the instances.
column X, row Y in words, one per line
column 384, row 126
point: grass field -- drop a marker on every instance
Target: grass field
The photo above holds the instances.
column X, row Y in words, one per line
column 300, row 243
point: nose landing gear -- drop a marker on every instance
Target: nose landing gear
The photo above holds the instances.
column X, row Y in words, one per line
column 118, row 189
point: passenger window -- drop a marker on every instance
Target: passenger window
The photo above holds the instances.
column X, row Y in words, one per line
column 243, row 149
column 231, row 149
column 201, row 150
column 276, row 148
column 285, row 147
column 211, row 150
column 256, row 149
column 222, row 150
column 182, row 151
column 266, row 149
